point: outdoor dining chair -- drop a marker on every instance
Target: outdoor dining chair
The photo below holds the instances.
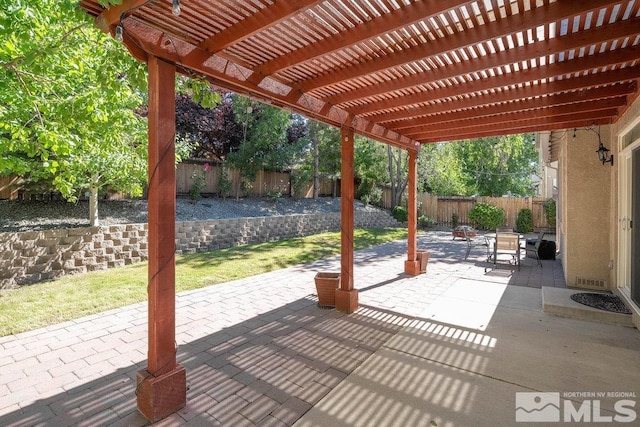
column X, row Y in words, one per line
column 533, row 248
column 506, row 244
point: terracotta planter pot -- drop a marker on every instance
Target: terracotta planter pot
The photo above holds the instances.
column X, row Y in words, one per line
column 423, row 257
column 326, row 285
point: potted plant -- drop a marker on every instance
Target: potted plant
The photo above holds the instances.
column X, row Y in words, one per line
column 326, row 285
column 423, row 257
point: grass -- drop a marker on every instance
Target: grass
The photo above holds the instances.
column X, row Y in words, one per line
column 71, row 297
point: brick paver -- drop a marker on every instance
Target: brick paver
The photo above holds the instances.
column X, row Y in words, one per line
column 258, row 351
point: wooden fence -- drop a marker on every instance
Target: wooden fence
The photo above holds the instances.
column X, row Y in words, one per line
column 266, row 183
column 9, row 187
column 441, row 209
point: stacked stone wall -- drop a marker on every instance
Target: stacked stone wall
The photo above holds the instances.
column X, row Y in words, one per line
column 34, row 256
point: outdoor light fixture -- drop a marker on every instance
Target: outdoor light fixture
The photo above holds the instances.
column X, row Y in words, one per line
column 118, row 35
column 603, row 153
column 176, row 7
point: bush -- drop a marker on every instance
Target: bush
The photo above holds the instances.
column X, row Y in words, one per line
column 375, row 196
column 550, row 212
column 425, row 221
column 454, row 220
column 400, row 214
column 524, row 222
column 485, row 216
column 224, row 183
column 300, row 181
column 369, row 194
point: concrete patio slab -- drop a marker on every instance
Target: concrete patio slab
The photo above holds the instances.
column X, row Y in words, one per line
column 451, row 346
column 447, row 374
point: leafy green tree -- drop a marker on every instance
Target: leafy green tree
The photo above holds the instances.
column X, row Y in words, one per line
column 497, row 166
column 324, row 155
column 398, row 173
column 370, row 164
column 68, row 98
column 264, row 141
column 440, row 171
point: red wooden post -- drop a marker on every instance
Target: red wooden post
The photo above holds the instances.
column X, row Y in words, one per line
column 161, row 388
column 346, row 295
column 412, row 265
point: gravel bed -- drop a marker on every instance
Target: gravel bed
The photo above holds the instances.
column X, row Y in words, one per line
column 38, row 215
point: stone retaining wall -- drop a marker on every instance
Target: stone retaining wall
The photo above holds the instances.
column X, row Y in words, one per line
column 34, row 256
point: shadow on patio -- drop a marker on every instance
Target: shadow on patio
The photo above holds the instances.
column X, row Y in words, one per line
column 269, row 369
column 452, row 346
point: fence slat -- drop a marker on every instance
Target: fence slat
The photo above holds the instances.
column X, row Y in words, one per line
column 441, row 209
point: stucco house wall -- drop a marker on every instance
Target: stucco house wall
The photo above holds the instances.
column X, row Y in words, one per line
column 588, row 207
column 585, row 210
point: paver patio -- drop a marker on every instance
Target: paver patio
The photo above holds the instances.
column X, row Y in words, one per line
column 452, row 346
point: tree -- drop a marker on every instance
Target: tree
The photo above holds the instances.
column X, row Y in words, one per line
column 440, row 171
column 69, row 94
column 201, row 127
column 398, row 176
column 325, row 153
column 264, row 139
column 497, row 166
column 370, row 168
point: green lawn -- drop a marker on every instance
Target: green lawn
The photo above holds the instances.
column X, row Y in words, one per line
column 70, row 297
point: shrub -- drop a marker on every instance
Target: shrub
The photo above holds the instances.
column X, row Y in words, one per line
column 224, row 183
column 375, row 196
column 300, row 180
column 400, row 214
column 486, row 216
column 550, row 212
column 199, row 182
column 455, row 219
column 425, row 221
column 524, row 222
column 274, row 195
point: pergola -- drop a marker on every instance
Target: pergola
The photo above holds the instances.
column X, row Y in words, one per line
column 403, row 72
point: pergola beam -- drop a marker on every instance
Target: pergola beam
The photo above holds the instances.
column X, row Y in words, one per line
column 524, row 98
column 405, row 15
column 111, row 16
column 269, row 16
column 560, row 126
column 470, row 37
column 234, row 77
column 500, row 60
column 521, row 126
column 509, row 112
column 531, row 87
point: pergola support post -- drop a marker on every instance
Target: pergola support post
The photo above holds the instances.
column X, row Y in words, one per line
column 412, row 264
column 162, row 387
column 346, row 295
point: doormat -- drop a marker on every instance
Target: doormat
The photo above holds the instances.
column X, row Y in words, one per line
column 601, row 301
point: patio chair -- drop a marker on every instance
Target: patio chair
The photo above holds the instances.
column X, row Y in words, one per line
column 532, row 248
column 469, row 239
column 506, row 244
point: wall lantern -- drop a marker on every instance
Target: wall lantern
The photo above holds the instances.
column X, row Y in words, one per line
column 603, row 153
